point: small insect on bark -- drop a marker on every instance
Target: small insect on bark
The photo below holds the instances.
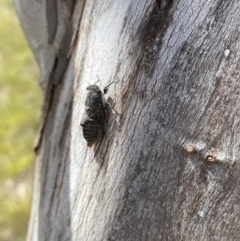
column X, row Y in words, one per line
column 95, row 114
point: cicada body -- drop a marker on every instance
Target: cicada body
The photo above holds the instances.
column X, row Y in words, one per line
column 94, row 116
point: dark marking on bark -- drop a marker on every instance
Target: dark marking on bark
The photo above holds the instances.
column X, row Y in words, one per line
column 52, row 19
column 76, row 18
column 145, row 50
column 63, row 176
column 70, row 4
column 66, row 125
column 159, row 3
column 63, row 55
column 45, row 112
column 164, row 5
column 152, row 32
column 55, row 64
column 195, row 200
column 126, row 18
column 220, row 9
column 54, row 190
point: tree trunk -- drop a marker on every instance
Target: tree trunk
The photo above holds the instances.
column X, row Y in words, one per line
column 168, row 166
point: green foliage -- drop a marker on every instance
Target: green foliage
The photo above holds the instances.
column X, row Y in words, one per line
column 20, row 101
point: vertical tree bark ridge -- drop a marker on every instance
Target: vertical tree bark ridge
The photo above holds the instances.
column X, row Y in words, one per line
column 54, row 208
column 168, row 166
column 59, row 68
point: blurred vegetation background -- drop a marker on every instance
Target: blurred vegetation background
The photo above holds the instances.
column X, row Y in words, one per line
column 20, row 105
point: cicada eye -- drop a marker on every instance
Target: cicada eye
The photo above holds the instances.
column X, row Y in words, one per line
column 105, row 90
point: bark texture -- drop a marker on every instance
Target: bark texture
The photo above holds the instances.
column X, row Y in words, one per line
column 168, row 166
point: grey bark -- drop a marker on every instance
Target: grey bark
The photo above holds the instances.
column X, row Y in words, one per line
column 168, row 166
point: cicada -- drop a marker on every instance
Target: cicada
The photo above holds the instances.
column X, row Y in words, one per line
column 94, row 117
